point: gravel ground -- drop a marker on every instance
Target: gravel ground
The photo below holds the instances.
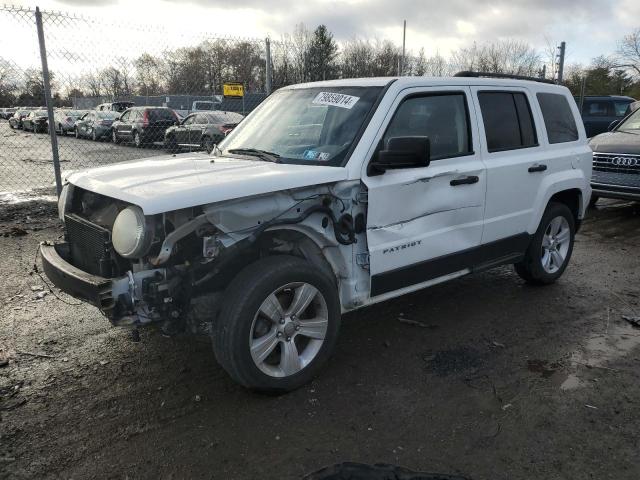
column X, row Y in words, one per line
column 501, row 380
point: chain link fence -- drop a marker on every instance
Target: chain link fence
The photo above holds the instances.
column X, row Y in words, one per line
column 118, row 92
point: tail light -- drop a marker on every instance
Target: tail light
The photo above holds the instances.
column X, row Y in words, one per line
column 145, row 119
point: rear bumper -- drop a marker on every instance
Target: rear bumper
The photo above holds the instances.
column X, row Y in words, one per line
column 77, row 283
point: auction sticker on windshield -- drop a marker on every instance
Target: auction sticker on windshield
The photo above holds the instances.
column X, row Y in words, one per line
column 335, row 100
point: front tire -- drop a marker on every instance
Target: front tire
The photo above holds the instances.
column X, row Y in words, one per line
column 278, row 325
column 551, row 246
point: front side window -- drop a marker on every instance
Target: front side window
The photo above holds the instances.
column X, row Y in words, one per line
column 441, row 118
column 508, row 123
column 558, row 118
column 280, row 124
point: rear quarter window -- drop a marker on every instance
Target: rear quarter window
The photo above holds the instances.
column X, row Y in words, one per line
column 558, row 118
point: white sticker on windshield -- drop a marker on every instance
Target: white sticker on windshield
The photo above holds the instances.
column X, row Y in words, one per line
column 335, row 100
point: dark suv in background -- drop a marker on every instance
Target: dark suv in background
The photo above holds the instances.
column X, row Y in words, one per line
column 599, row 112
column 143, row 125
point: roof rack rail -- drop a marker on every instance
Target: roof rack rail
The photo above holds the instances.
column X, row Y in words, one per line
column 503, row 75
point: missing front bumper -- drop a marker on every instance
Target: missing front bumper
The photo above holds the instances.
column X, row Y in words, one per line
column 93, row 289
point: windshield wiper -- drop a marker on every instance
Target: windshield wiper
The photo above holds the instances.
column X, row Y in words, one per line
column 254, row 152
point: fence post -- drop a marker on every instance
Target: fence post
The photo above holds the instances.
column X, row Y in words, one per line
column 267, row 44
column 47, row 98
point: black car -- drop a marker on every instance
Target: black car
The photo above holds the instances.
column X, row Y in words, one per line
column 599, row 112
column 616, row 160
column 95, row 125
column 201, row 131
column 36, row 121
column 143, row 125
column 16, row 120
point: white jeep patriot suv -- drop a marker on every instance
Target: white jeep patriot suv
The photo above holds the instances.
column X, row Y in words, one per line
column 328, row 197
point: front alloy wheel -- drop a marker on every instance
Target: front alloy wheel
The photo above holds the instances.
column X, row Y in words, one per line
column 288, row 329
column 137, row 140
column 278, row 324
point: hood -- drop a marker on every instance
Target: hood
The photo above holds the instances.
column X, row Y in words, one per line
column 616, row 142
column 171, row 182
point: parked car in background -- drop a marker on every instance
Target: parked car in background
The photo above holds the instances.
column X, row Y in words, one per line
column 632, row 107
column 36, row 121
column 7, row 113
column 201, row 131
column 599, row 111
column 616, row 161
column 65, row 120
column 205, row 105
column 16, row 120
column 95, row 125
column 143, row 125
column 114, row 106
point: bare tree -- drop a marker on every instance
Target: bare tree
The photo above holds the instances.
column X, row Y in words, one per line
column 505, row 56
column 93, row 84
column 628, row 54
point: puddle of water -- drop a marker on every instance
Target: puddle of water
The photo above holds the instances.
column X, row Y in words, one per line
column 601, row 349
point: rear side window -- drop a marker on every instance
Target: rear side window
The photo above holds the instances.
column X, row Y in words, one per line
column 162, row 114
column 508, row 123
column 558, row 118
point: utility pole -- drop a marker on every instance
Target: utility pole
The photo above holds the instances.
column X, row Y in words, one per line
column 268, row 66
column 404, row 38
column 561, row 52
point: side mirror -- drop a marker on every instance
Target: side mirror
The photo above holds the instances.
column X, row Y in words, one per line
column 401, row 152
column 613, row 125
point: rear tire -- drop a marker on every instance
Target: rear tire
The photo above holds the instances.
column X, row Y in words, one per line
column 266, row 301
column 550, row 249
column 208, row 144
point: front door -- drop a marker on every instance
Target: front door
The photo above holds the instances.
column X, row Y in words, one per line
column 425, row 223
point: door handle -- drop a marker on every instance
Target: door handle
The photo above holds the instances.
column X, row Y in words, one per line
column 537, row 168
column 464, row 180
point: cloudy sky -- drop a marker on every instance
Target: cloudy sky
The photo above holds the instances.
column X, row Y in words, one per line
column 590, row 27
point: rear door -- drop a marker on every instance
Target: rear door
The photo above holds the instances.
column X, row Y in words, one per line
column 124, row 124
column 515, row 161
column 424, row 223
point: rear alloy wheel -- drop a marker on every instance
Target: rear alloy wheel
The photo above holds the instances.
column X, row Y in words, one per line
column 137, row 141
column 94, row 137
column 551, row 247
column 278, row 325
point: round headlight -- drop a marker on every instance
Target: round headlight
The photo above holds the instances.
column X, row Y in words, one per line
column 132, row 233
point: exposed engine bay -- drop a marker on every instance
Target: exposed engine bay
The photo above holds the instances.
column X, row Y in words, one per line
column 172, row 268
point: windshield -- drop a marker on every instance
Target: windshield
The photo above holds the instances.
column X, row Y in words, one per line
column 631, row 123
column 306, row 126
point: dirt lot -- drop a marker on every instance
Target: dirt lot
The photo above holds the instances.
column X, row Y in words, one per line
column 503, row 381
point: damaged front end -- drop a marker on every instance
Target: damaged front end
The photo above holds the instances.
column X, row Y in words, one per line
column 170, row 269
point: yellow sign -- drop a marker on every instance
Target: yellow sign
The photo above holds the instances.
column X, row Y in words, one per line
column 233, row 90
